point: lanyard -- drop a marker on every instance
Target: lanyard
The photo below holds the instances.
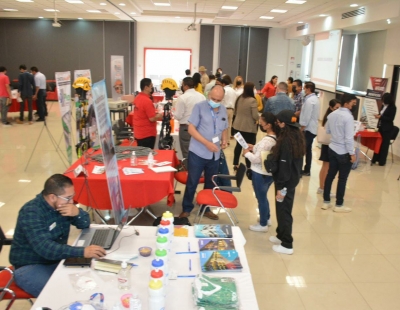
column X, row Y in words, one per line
column 214, row 120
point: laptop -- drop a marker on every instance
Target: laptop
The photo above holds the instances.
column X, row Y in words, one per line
column 104, row 237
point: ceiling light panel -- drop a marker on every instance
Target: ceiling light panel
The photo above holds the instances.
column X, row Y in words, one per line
column 266, row 17
column 278, row 11
column 228, row 7
column 295, row 2
column 74, row 1
column 51, row 10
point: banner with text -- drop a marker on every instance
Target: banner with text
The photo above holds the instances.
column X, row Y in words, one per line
column 100, row 104
column 372, row 103
column 63, row 83
column 117, row 77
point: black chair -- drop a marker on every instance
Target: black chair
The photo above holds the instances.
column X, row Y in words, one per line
column 395, row 132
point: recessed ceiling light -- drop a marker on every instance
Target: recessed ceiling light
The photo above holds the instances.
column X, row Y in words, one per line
column 278, row 11
column 300, row 22
column 116, row 13
column 177, row 17
column 74, row 1
column 266, row 17
column 295, row 2
column 323, row 15
column 24, row 181
column 51, row 10
column 1, row 204
column 40, row 17
column 161, row 4
column 10, row 10
column 133, row 13
column 122, row 4
column 25, row 0
column 353, row 5
column 93, row 11
column 228, row 7
column 388, row 21
column 80, row 18
column 102, row 3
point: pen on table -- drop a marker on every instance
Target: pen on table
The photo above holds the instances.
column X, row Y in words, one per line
column 187, row 276
column 133, row 265
column 188, row 246
column 190, row 265
column 192, row 252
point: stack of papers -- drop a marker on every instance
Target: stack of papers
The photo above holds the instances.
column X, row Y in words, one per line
column 98, row 169
column 163, row 169
column 129, row 171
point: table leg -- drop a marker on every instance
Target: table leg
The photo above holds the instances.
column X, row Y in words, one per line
column 135, row 217
column 365, row 154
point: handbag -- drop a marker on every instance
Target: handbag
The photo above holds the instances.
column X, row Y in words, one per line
column 271, row 164
column 322, row 136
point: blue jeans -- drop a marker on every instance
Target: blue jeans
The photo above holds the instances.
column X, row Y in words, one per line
column 33, row 278
column 41, row 103
column 261, row 184
column 337, row 163
column 196, row 165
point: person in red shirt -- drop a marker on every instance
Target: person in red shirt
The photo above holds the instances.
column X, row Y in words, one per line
column 145, row 117
column 5, row 95
column 269, row 89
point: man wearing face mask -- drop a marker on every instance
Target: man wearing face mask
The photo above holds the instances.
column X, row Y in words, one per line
column 183, row 110
column 208, row 126
column 145, row 117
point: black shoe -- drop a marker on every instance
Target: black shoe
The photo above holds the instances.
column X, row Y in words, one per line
column 40, row 120
column 36, row 114
column 306, row 174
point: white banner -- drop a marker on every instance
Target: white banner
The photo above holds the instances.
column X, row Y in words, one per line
column 82, row 73
column 117, row 77
column 102, row 111
column 63, row 82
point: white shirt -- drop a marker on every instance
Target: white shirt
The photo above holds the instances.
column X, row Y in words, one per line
column 229, row 98
column 265, row 144
column 40, row 80
column 185, row 104
column 309, row 113
column 238, row 91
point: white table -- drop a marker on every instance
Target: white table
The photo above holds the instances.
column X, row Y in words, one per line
column 59, row 291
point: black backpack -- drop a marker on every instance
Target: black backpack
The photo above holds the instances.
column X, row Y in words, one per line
column 177, row 221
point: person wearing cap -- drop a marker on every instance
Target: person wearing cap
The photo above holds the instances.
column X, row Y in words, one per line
column 204, row 77
column 340, row 125
column 309, row 122
column 288, row 154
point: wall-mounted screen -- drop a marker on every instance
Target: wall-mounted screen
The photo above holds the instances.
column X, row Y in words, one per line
column 325, row 60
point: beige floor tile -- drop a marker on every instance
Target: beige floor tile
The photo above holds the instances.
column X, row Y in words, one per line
column 278, row 297
column 354, row 244
column 368, row 268
column 308, row 243
column 377, row 224
column 301, row 224
column 394, row 259
column 343, row 296
column 267, row 269
column 384, row 242
column 315, row 268
column 380, row 296
column 333, row 223
column 395, row 220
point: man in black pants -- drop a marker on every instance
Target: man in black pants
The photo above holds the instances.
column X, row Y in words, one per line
column 26, row 87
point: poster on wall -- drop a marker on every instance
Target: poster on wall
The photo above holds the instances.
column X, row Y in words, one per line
column 372, row 103
column 82, row 73
column 100, row 104
column 63, row 82
column 117, row 77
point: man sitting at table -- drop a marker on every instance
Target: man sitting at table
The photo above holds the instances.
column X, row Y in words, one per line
column 145, row 117
column 41, row 235
column 208, row 126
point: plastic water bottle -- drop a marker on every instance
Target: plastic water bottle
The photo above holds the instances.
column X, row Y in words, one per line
column 168, row 216
column 135, row 303
column 162, row 242
column 156, row 295
column 133, row 159
column 124, row 277
column 159, row 264
column 150, row 160
column 283, row 193
column 163, row 232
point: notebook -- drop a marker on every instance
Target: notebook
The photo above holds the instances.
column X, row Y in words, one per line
column 104, row 237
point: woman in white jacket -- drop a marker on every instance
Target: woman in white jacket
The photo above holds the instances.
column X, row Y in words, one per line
column 261, row 179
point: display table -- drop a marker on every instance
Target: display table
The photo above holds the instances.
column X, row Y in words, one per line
column 59, row 291
column 139, row 190
column 371, row 140
column 15, row 106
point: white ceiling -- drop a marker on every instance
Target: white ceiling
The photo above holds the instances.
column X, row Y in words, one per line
column 182, row 11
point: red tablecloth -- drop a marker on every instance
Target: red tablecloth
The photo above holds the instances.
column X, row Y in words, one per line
column 14, row 107
column 138, row 190
column 371, row 140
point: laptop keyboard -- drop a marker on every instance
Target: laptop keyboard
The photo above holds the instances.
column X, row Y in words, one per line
column 100, row 237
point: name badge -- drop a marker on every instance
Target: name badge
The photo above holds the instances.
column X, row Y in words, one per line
column 52, row 226
column 215, row 139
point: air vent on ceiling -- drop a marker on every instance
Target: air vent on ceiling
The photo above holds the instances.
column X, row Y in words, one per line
column 360, row 11
column 302, row 27
column 222, row 13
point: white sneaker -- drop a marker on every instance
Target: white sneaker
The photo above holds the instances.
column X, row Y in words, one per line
column 341, row 209
column 274, row 239
column 326, row 205
column 282, row 250
column 258, row 228
column 269, row 223
column 321, row 191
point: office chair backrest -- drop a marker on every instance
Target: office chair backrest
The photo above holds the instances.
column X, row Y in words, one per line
column 395, row 132
column 241, row 171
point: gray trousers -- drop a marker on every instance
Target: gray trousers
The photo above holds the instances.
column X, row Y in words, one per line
column 184, row 140
column 3, row 109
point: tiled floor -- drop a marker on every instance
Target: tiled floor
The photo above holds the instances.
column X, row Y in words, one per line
column 341, row 261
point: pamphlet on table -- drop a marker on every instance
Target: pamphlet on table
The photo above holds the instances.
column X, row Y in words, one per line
column 213, row 231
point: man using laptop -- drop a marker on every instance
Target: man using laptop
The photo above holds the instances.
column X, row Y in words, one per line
column 41, row 235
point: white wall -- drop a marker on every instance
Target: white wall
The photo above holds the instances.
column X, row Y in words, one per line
column 278, row 53
column 164, row 35
column 295, row 55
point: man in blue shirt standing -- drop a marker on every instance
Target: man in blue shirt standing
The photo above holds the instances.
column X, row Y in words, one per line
column 208, row 126
column 40, row 238
column 280, row 101
column 340, row 125
column 309, row 122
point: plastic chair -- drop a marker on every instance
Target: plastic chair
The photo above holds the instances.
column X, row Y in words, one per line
column 8, row 289
column 395, row 132
column 182, row 176
column 219, row 196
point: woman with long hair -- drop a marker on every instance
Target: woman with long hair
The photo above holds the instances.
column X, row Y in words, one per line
column 197, row 83
column 238, row 85
column 261, row 179
column 334, row 104
column 288, row 155
column 269, row 89
column 385, row 125
column 246, row 118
